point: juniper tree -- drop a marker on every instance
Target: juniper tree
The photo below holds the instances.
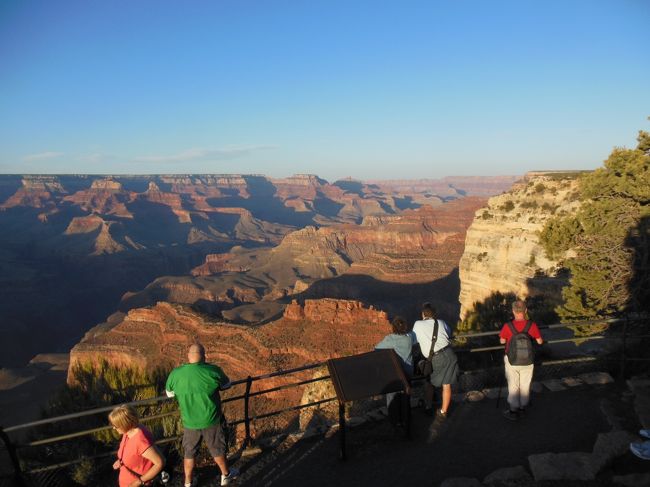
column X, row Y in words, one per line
column 605, row 244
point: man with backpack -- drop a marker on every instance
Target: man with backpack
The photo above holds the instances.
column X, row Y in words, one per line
column 518, row 335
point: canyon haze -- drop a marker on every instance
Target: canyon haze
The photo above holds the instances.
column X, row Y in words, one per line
column 77, row 250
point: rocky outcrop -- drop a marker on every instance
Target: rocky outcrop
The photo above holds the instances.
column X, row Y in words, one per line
column 105, row 197
column 149, row 338
column 415, row 246
column 36, row 192
column 502, row 249
column 335, row 310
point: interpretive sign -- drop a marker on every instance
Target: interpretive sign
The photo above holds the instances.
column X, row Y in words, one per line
column 366, row 375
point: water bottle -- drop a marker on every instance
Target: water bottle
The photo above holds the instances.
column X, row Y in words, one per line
column 164, row 477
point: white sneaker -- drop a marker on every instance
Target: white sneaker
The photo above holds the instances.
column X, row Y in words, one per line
column 232, row 475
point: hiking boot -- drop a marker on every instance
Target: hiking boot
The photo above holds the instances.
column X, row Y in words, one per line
column 645, row 433
column 232, row 475
column 641, row 450
column 511, row 415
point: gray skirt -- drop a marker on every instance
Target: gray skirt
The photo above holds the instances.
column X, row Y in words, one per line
column 445, row 368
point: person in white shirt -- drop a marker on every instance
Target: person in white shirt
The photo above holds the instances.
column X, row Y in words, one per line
column 444, row 361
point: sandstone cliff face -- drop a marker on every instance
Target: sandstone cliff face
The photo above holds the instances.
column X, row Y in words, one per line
column 502, row 249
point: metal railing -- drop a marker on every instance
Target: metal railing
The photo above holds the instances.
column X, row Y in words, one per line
column 13, row 447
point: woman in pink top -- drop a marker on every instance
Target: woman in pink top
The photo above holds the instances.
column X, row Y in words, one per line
column 138, row 458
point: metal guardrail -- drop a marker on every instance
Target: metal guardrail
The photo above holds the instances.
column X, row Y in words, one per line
column 13, row 447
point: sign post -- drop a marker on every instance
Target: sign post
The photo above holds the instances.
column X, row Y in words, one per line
column 365, row 375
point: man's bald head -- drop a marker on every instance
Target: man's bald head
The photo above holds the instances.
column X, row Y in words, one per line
column 196, row 353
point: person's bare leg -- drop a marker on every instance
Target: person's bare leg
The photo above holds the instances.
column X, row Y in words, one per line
column 223, row 464
column 446, row 397
column 188, row 466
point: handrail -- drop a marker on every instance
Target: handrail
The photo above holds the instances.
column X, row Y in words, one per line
column 143, row 402
column 248, row 394
column 81, row 414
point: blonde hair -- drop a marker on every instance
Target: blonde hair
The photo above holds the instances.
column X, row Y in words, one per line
column 123, row 417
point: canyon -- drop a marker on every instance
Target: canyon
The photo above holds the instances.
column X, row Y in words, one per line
column 74, row 248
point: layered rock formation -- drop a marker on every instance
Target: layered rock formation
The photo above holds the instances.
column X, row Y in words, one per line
column 502, row 249
column 413, row 249
column 158, row 337
column 76, row 243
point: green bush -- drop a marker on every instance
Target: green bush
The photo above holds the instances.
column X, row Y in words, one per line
column 508, row 206
column 530, row 204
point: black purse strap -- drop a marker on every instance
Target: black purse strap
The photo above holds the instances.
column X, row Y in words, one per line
column 434, row 339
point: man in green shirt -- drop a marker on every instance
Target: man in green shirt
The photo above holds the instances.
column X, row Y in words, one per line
column 196, row 386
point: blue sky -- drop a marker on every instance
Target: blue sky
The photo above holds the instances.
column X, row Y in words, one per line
column 409, row 89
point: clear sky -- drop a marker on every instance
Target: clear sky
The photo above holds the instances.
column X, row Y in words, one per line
column 367, row 89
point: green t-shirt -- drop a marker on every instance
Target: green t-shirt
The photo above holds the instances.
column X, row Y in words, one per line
column 196, row 387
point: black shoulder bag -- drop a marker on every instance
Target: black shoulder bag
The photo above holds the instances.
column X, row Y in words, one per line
column 425, row 367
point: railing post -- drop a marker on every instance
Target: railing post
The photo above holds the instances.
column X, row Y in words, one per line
column 623, row 350
column 247, row 419
column 13, row 456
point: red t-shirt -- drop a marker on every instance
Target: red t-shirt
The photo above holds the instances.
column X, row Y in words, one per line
column 130, row 452
column 506, row 333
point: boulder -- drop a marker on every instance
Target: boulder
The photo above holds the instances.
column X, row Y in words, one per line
column 508, row 473
column 461, row 482
column 610, row 446
column 561, row 466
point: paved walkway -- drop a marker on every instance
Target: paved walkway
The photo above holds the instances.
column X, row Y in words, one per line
column 473, row 442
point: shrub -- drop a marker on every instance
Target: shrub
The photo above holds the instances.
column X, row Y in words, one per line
column 529, row 204
column 549, row 208
column 540, row 188
column 508, row 206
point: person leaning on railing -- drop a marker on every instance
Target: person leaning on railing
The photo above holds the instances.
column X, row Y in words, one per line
column 138, row 458
column 196, row 386
column 401, row 340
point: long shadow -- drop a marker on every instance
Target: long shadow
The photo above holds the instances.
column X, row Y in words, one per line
column 9, row 184
column 462, row 446
column 154, row 224
column 355, row 187
column 264, row 204
column 326, row 207
column 65, row 295
column 394, row 298
column 406, row 203
column 638, row 240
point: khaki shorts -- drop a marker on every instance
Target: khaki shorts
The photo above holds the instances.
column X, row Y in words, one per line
column 213, row 437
